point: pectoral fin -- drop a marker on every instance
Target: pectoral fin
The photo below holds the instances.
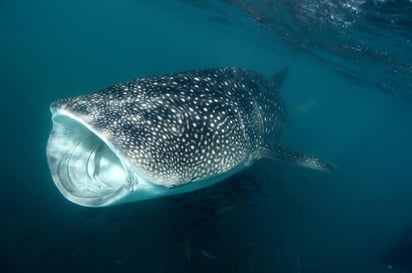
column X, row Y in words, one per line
column 279, row 152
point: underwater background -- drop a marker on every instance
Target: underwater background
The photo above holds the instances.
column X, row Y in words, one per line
column 348, row 94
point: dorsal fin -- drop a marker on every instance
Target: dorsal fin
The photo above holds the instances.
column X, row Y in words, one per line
column 279, row 77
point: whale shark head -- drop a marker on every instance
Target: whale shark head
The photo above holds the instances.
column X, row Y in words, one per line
column 90, row 170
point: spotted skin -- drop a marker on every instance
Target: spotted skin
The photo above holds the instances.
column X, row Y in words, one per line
column 166, row 134
column 185, row 127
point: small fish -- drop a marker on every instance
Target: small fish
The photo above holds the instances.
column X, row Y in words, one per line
column 48, row 252
column 30, row 235
column 207, row 254
column 187, row 250
column 226, row 209
column 251, row 266
column 92, row 214
column 119, row 261
column 72, row 253
column 163, row 263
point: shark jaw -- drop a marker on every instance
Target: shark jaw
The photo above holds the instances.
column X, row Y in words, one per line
column 89, row 171
column 85, row 169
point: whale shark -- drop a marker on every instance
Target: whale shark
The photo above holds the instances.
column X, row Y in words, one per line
column 167, row 134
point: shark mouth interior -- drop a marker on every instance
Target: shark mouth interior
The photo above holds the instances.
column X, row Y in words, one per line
column 84, row 167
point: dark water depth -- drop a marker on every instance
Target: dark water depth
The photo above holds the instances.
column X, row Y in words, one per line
column 349, row 106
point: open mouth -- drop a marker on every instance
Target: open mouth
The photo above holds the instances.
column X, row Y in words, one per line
column 84, row 167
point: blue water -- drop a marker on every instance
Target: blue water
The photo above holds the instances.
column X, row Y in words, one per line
column 352, row 109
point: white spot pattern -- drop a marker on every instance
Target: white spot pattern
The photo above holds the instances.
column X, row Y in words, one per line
column 185, row 127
